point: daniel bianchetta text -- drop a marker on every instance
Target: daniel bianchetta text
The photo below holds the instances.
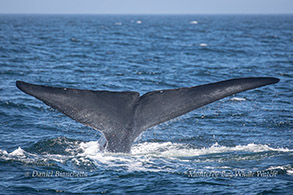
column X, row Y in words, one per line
column 56, row 174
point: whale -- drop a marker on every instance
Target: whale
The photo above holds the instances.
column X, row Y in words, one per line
column 121, row 116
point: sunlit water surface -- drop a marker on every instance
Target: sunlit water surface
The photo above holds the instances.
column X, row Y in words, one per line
column 241, row 144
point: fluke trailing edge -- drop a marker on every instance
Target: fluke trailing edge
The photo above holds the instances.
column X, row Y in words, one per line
column 122, row 116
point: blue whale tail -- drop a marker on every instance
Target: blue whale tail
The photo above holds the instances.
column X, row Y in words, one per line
column 122, row 116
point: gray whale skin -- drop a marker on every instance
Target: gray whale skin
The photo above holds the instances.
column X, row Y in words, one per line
column 123, row 116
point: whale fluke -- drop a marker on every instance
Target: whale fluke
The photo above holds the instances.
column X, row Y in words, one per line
column 122, row 116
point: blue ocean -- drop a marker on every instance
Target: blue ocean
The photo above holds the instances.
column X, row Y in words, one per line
column 242, row 144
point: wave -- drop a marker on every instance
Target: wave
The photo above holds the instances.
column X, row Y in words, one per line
column 166, row 149
column 147, row 156
column 169, row 149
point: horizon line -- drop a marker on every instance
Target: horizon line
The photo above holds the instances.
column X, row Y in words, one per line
column 12, row 13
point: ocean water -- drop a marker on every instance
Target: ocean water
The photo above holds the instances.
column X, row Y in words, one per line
column 239, row 145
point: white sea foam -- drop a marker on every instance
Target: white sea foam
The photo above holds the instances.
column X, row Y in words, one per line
column 169, row 149
column 203, row 45
column 237, row 99
column 89, row 148
column 287, row 168
column 143, row 157
column 193, row 22
column 18, row 152
column 290, row 172
column 166, row 149
column 21, row 155
column 3, row 152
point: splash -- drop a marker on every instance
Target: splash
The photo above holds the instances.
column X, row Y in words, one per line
column 148, row 156
column 18, row 152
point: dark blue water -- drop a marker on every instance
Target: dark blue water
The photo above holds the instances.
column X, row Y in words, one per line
column 239, row 145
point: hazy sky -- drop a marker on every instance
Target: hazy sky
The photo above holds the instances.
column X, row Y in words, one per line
column 147, row 6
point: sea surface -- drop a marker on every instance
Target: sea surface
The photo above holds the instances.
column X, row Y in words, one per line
column 239, row 145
